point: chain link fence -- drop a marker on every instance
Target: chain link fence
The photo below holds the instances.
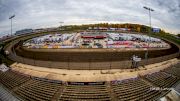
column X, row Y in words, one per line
column 89, row 65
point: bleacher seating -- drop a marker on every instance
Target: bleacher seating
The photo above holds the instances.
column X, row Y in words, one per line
column 41, row 89
column 177, row 65
column 83, row 92
column 162, row 79
column 5, row 95
column 133, row 89
column 38, row 90
column 12, row 79
column 173, row 70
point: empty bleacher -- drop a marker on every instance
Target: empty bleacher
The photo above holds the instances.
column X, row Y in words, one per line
column 133, row 89
column 85, row 92
column 12, row 79
column 5, row 95
column 38, row 89
column 41, row 89
column 177, row 65
column 162, row 79
column 174, row 69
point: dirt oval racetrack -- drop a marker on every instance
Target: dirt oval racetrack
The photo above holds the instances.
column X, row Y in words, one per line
column 101, row 55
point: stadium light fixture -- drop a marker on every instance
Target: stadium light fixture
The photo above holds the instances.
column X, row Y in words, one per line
column 149, row 10
column 11, row 17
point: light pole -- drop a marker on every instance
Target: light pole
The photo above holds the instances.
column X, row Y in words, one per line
column 60, row 28
column 149, row 10
column 61, row 24
column 11, row 17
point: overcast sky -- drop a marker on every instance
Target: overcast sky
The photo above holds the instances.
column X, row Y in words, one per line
column 48, row 13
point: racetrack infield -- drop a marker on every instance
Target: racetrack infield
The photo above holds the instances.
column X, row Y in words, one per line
column 91, row 56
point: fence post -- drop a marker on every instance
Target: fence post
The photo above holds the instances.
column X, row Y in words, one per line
column 110, row 62
column 34, row 59
column 89, row 63
column 68, row 62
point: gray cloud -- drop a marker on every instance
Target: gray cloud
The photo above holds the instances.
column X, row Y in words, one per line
column 48, row 13
column 7, row 7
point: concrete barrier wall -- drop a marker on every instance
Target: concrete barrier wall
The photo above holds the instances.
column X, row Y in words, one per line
column 89, row 65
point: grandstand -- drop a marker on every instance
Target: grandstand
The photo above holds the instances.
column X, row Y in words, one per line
column 134, row 89
column 24, row 31
column 42, row 89
column 173, row 70
column 162, row 79
column 38, row 89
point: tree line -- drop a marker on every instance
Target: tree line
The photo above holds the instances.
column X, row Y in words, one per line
column 132, row 27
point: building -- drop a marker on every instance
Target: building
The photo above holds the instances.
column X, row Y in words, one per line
column 24, row 31
column 156, row 30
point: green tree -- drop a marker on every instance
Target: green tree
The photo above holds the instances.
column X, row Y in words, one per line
column 178, row 35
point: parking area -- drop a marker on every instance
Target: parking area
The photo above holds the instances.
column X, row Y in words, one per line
column 95, row 40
